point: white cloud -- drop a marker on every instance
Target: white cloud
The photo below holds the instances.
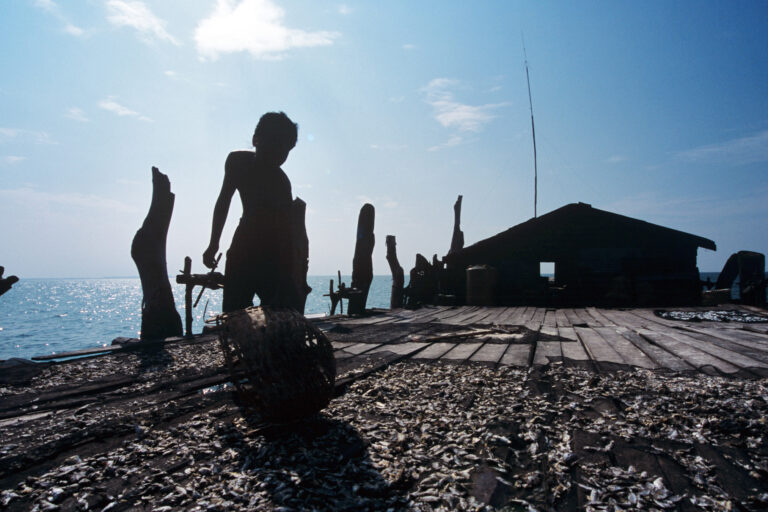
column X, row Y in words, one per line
column 170, row 73
column 73, row 30
column 745, row 150
column 37, row 137
column 134, row 14
column 77, row 114
column 253, row 26
column 409, row 46
column 113, row 106
column 344, row 9
column 46, row 5
column 452, row 114
column 54, row 10
column 12, row 159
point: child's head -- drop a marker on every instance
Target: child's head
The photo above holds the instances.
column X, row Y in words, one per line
column 275, row 136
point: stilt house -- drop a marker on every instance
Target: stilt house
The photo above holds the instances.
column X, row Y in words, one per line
column 600, row 258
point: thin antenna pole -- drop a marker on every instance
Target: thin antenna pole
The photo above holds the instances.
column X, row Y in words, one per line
column 533, row 132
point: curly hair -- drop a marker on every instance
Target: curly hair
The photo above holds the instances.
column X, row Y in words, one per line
column 276, row 128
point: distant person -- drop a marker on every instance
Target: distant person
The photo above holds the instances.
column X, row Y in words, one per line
column 259, row 260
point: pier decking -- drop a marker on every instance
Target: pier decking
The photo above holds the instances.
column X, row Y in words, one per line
column 436, row 408
column 600, row 339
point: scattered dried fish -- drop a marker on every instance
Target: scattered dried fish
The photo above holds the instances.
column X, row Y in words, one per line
column 412, row 437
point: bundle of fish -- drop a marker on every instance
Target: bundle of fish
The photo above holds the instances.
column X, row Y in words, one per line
column 282, row 365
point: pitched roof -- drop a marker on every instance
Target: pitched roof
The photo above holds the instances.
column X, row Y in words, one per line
column 578, row 224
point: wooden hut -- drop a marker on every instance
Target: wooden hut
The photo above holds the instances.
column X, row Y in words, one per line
column 600, row 258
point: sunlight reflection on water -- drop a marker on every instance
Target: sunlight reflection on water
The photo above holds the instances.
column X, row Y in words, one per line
column 44, row 316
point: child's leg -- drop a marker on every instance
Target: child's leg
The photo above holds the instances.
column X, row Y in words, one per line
column 238, row 287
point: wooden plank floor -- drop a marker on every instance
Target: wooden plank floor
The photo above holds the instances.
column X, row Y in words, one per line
column 603, row 339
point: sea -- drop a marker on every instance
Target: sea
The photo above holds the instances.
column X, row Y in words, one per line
column 52, row 316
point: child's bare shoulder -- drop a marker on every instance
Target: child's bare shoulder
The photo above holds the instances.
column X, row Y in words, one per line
column 240, row 158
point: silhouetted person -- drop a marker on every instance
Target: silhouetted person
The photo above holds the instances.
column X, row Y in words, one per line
column 259, row 259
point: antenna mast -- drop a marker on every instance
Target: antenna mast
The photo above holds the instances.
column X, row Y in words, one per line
column 533, row 132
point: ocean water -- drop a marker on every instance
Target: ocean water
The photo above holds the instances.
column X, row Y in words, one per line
column 48, row 316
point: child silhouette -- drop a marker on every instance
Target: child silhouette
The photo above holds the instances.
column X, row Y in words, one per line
column 259, row 258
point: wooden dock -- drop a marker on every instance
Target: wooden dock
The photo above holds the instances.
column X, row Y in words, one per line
column 601, row 339
column 452, row 407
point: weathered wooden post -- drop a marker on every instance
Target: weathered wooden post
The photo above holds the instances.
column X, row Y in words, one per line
column 300, row 255
column 188, row 297
column 6, row 282
column 398, row 276
column 362, row 263
column 159, row 318
column 457, row 240
column 452, row 279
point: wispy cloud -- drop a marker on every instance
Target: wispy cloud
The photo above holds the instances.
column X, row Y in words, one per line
column 41, row 198
column 379, row 201
column 136, row 15
column 344, row 9
column 13, row 159
column 253, row 26
column 52, row 8
column 76, row 114
column 388, row 147
column 73, row 30
column 453, row 141
column 109, row 104
column 672, row 211
column 745, row 150
column 453, row 114
column 38, row 137
column 615, row 159
column 408, row 46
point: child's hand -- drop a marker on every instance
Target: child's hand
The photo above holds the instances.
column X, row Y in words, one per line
column 209, row 256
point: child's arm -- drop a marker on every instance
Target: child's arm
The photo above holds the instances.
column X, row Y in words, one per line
column 220, row 212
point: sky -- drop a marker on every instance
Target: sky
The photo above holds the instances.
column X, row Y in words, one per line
column 656, row 110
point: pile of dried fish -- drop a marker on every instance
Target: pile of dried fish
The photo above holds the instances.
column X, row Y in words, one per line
column 444, row 437
column 145, row 365
column 722, row 315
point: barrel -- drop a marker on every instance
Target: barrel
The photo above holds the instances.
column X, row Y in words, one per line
column 481, row 285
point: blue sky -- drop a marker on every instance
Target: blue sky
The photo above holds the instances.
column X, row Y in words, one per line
column 656, row 110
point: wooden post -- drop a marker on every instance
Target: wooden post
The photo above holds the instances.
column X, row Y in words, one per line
column 362, row 263
column 457, row 240
column 188, row 297
column 398, row 276
column 300, row 255
column 159, row 318
column 7, row 282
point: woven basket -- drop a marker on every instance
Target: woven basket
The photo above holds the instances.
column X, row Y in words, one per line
column 282, row 365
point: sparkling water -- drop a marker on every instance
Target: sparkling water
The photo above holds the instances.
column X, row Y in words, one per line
column 47, row 316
